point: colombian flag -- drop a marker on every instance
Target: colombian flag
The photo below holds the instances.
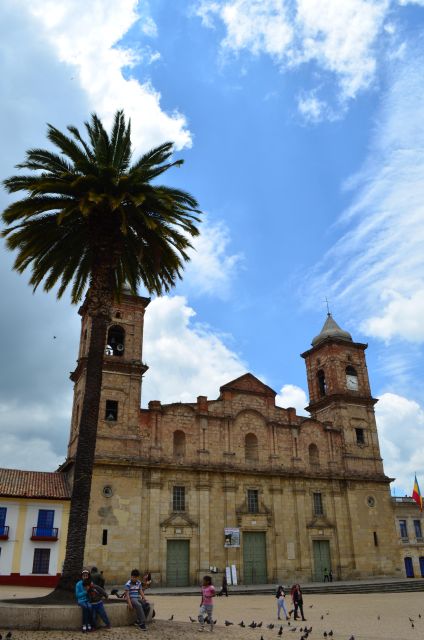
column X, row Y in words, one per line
column 416, row 494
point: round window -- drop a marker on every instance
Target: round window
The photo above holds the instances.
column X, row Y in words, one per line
column 371, row 501
column 107, row 491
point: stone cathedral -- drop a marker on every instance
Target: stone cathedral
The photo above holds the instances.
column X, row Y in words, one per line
column 236, row 483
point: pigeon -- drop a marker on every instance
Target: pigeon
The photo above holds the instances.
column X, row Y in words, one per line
column 252, row 625
column 259, row 625
column 325, row 634
column 228, row 623
column 294, row 629
column 192, row 619
column 262, row 638
column 411, row 620
column 268, row 626
column 412, row 626
column 419, row 615
column 280, row 633
column 378, row 617
column 322, row 617
column 330, row 633
column 8, row 635
column 171, row 618
column 352, row 638
column 241, row 624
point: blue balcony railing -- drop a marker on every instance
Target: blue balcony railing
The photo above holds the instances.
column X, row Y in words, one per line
column 43, row 533
column 4, row 532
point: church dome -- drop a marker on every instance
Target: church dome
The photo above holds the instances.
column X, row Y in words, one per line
column 331, row 330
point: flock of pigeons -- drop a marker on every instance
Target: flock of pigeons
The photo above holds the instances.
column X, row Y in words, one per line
column 305, row 631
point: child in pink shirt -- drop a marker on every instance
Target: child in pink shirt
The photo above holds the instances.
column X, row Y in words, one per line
column 206, row 605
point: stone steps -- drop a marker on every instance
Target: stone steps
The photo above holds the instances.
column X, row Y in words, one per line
column 379, row 586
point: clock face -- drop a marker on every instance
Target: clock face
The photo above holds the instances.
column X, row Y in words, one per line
column 352, row 383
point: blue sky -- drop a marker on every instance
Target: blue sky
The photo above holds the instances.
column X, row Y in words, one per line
column 301, row 126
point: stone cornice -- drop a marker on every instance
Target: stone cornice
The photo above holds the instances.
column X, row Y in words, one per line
column 333, row 340
column 346, row 398
column 146, row 463
column 111, row 364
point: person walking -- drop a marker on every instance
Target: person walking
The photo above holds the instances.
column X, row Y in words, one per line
column 281, row 602
column 224, row 588
column 206, row 603
column 298, row 602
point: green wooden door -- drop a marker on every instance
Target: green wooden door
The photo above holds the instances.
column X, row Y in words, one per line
column 254, row 557
column 177, row 563
column 322, row 560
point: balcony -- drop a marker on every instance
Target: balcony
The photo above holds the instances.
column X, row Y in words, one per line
column 42, row 533
column 4, row 532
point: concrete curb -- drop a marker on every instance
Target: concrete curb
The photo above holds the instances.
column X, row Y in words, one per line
column 60, row 617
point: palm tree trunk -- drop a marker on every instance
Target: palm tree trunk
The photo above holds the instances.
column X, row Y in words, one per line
column 99, row 308
column 84, row 458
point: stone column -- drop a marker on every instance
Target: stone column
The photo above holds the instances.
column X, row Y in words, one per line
column 203, row 492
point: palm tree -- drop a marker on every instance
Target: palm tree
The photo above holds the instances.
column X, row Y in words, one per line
column 91, row 218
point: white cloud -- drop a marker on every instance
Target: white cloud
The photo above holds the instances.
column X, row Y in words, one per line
column 186, row 359
column 376, row 268
column 31, row 454
column 86, row 36
column 340, row 38
column 30, row 436
column 403, row 456
column 401, row 317
column 311, row 108
column 211, row 269
column 292, row 396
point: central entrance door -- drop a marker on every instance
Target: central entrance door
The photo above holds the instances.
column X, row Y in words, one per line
column 177, row 563
column 409, row 567
column 254, row 557
column 322, row 560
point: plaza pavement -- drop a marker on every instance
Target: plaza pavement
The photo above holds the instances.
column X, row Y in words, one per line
column 363, row 616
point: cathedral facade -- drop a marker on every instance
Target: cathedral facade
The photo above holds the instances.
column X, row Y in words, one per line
column 237, row 483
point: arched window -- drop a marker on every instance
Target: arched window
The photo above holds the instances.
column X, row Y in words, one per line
column 351, row 379
column 251, row 447
column 115, row 341
column 322, row 385
column 179, row 443
column 313, row 455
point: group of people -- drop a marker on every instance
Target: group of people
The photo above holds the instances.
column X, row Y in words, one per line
column 297, row 601
column 90, row 593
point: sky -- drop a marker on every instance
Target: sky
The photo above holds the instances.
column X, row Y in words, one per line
column 301, row 126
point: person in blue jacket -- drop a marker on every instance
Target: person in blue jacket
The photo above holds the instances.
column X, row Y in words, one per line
column 81, row 594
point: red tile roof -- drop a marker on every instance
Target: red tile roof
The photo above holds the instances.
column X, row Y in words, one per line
column 34, row 484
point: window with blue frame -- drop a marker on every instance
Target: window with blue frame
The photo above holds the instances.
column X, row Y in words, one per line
column 45, row 522
column 418, row 530
column 3, row 511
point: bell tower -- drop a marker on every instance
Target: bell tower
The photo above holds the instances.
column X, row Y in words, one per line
column 340, row 395
column 118, row 427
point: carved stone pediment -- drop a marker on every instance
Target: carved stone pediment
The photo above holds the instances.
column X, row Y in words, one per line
column 249, row 384
column 263, row 512
column 320, row 522
column 178, row 520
